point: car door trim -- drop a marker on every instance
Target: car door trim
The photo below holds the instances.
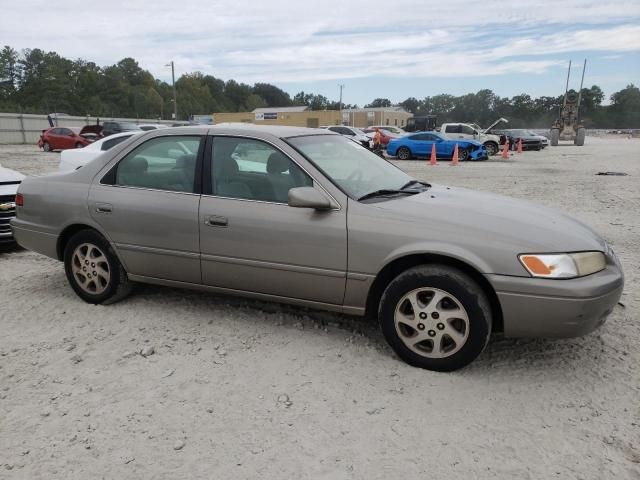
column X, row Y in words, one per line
column 155, row 250
column 274, row 266
column 351, row 310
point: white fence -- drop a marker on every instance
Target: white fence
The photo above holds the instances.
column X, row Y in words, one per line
column 20, row 129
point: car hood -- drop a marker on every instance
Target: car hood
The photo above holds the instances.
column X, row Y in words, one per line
column 494, row 223
column 9, row 181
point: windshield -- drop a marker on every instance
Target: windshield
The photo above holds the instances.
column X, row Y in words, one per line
column 129, row 126
column 349, row 165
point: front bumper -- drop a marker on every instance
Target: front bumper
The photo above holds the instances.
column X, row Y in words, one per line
column 538, row 307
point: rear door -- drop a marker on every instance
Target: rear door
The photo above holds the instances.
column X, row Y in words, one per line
column 252, row 241
column 148, row 205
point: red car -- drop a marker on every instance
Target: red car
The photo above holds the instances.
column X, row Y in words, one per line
column 62, row 138
column 386, row 136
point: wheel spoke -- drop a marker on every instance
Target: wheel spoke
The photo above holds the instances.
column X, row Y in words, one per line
column 455, row 335
column 91, row 269
column 432, row 306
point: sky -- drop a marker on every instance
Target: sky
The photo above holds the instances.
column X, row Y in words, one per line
column 389, row 49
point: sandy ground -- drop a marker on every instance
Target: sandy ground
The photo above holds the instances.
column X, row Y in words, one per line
column 240, row 389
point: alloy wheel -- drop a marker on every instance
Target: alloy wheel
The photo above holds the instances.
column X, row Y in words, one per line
column 431, row 322
column 90, row 268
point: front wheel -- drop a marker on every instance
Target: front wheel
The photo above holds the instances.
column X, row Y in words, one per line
column 463, row 154
column 93, row 269
column 580, row 133
column 404, row 153
column 492, row 148
column 555, row 137
column 435, row 317
column 79, row 145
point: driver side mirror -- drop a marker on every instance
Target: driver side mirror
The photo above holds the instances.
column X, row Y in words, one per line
column 308, row 197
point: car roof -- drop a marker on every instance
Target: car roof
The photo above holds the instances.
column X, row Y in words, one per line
column 278, row 131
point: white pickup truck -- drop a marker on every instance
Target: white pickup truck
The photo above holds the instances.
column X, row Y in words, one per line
column 471, row 131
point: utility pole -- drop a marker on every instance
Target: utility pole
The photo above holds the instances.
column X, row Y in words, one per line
column 173, row 83
column 340, row 103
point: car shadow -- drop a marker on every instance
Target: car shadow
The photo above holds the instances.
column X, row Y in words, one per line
column 10, row 247
column 502, row 356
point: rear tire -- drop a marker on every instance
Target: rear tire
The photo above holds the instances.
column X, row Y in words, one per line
column 435, row 317
column 93, row 269
column 79, row 145
column 555, row 137
column 404, row 153
column 580, row 134
column 46, row 147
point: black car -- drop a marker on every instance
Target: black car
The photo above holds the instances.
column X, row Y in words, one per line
column 530, row 140
column 109, row 128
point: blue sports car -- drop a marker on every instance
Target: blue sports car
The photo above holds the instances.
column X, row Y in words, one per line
column 419, row 144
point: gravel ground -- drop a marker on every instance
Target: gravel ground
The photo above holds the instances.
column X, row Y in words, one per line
column 233, row 388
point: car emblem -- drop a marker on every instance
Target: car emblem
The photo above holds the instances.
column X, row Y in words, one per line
column 7, row 206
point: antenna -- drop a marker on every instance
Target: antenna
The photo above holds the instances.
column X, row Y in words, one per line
column 581, row 83
column 566, row 88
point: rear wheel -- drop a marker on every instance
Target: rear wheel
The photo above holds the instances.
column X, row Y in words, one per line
column 555, row 137
column 79, row 145
column 435, row 317
column 93, row 269
column 404, row 153
column 580, row 133
column 46, row 147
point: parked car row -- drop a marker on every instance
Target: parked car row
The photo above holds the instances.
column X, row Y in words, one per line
column 9, row 182
column 64, row 138
column 308, row 217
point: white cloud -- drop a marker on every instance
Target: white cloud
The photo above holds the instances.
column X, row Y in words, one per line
column 289, row 40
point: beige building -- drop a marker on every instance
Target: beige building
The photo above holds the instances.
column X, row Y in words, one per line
column 303, row 117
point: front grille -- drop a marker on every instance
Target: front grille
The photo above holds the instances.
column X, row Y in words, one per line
column 6, row 215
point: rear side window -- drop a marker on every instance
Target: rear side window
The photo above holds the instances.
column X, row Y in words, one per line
column 107, row 144
column 452, row 129
column 162, row 163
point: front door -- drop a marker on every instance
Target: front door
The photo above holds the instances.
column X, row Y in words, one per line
column 148, row 206
column 252, row 241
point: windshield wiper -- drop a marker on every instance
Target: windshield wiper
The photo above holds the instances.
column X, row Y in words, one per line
column 386, row 191
column 413, row 182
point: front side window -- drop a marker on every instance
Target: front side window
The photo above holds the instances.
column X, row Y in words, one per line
column 162, row 163
column 467, row 130
column 353, row 168
column 253, row 170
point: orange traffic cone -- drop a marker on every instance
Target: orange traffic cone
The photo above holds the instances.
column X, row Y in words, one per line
column 520, row 146
column 454, row 159
column 433, row 160
column 505, row 150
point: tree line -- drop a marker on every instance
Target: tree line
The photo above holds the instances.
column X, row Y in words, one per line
column 35, row 81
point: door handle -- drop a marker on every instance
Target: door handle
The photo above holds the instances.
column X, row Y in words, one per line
column 104, row 207
column 216, row 221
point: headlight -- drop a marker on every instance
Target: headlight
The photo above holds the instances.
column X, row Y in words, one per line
column 565, row 265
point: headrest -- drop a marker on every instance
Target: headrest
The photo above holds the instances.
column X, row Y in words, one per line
column 136, row 165
column 226, row 166
column 186, row 161
column 277, row 163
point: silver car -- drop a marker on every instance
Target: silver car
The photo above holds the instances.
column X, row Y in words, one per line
column 308, row 217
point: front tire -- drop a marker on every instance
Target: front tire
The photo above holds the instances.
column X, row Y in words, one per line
column 580, row 133
column 435, row 317
column 93, row 269
column 555, row 137
column 492, row 148
column 463, row 155
column 404, row 153
column 79, row 145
